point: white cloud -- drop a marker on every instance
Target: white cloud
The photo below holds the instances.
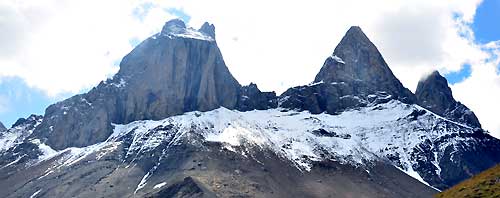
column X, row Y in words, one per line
column 481, row 91
column 67, row 46
column 70, row 45
column 280, row 44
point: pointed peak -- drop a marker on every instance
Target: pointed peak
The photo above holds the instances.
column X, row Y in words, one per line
column 355, row 43
column 356, row 61
column 354, row 30
column 435, row 73
column 433, row 76
column 434, row 94
column 208, row 29
column 355, row 34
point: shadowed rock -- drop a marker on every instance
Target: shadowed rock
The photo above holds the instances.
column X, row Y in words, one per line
column 2, row 127
column 175, row 71
column 434, row 94
column 353, row 76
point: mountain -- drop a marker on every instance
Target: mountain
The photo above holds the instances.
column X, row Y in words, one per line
column 355, row 75
column 174, row 122
column 175, row 71
column 485, row 184
column 434, row 94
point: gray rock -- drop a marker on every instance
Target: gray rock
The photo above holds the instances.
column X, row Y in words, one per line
column 2, row 127
column 174, row 26
column 434, row 94
column 31, row 120
column 357, row 63
column 354, row 76
column 164, row 75
column 252, row 98
column 208, row 29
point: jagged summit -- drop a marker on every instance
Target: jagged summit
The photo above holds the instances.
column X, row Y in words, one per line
column 434, row 94
column 173, row 26
column 170, row 73
column 177, row 28
column 174, row 122
column 208, row 29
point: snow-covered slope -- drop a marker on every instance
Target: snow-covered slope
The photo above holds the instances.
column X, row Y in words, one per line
column 16, row 135
column 393, row 132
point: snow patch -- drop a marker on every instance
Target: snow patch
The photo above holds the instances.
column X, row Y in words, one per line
column 337, row 59
column 35, row 193
column 160, row 185
column 190, row 33
column 142, row 183
column 315, row 83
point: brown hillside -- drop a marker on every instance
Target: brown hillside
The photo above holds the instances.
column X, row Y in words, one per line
column 485, row 184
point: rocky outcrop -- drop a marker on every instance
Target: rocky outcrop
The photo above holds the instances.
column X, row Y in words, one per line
column 252, row 98
column 353, row 76
column 2, row 127
column 15, row 148
column 450, row 159
column 434, row 94
column 187, row 188
column 364, row 152
column 175, row 71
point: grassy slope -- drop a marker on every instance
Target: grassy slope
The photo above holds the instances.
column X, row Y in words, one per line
column 485, row 184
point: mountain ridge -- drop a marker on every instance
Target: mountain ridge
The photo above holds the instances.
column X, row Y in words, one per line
column 174, row 102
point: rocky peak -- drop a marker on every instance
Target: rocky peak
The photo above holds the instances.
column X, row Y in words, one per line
column 177, row 28
column 176, row 71
column 252, row 98
column 208, row 29
column 354, row 76
column 174, row 26
column 29, row 120
column 434, row 94
column 356, row 62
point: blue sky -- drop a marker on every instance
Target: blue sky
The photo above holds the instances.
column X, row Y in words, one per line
column 21, row 101
column 486, row 27
column 17, row 99
column 486, row 24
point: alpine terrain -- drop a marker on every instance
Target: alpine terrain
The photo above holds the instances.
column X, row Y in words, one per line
column 174, row 122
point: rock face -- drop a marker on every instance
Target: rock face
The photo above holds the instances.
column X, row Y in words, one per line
column 13, row 144
column 175, row 71
column 353, row 76
column 141, row 133
column 358, row 63
column 2, row 127
column 434, row 94
column 252, row 98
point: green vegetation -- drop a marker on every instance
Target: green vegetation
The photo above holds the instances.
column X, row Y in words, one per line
column 485, row 184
